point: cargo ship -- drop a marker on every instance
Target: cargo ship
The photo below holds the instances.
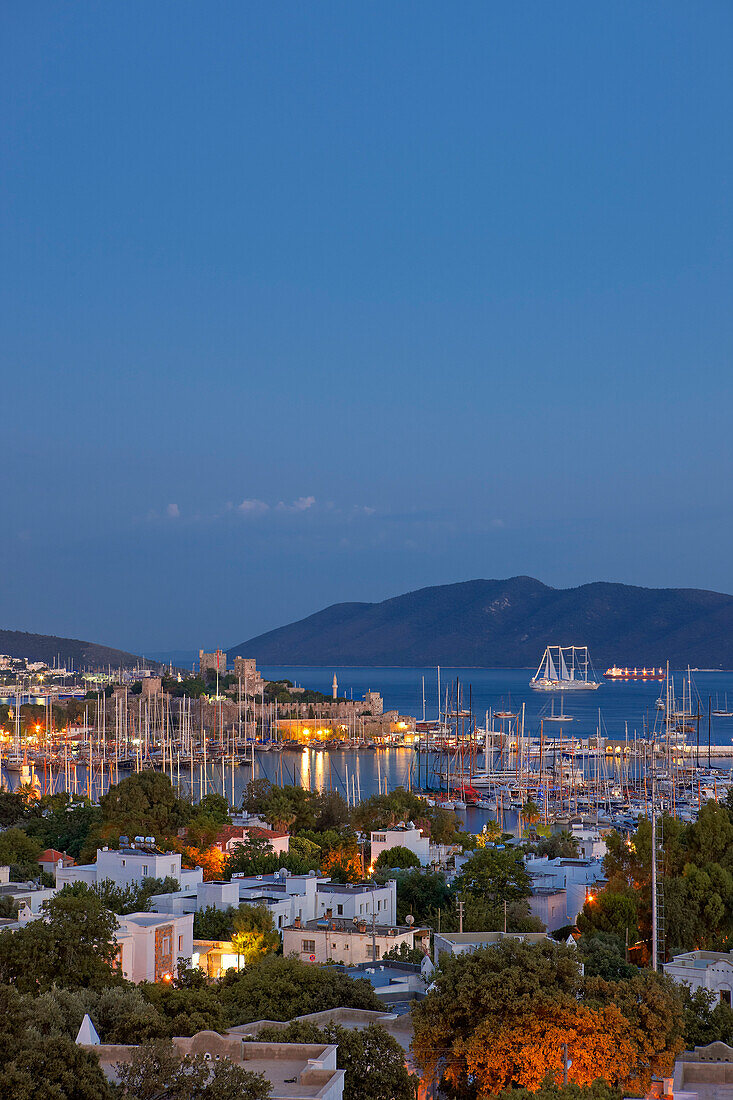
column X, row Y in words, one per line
column 634, row 673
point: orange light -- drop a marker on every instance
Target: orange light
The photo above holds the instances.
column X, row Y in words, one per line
column 590, row 897
column 167, row 977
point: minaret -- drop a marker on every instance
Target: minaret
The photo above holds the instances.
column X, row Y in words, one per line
column 335, row 687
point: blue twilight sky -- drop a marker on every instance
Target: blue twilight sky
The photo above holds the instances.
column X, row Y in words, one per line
column 314, row 302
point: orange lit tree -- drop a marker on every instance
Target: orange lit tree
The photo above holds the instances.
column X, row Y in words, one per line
column 500, row 1018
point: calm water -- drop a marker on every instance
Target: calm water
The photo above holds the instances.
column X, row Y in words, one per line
column 629, row 702
column 365, row 773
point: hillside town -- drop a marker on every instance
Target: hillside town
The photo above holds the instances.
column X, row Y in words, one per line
column 298, row 942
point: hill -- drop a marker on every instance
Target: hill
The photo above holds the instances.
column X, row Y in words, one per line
column 508, row 623
column 48, row 648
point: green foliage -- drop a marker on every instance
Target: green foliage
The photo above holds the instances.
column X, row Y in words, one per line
column 611, row 912
column 495, row 1020
column 73, row 947
column 405, row 954
column 562, row 844
column 422, row 893
column 600, row 1090
column 134, row 898
column 254, row 934
column 64, row 823
column 51, row 1067
column 215, row 807
column 373, row 1061
column 383, row 811
column 496, row 874
column 255, row 857
column 182, row 1010
column 157, row 1069
column 13, row 808
column 211, row 923
column 397, row 857
column 16, row 847
column 144, row 804
column 279, row 988
column 706, row 1019
column 603, row 955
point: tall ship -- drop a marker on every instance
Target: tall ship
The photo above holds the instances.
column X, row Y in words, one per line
column 565, row 668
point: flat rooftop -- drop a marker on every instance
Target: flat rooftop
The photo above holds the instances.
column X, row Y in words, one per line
column 344, row 924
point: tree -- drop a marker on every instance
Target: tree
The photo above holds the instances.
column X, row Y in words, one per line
column 496, row 1019
column 157, row 1069
column 423, row 894
column 373, row 1061
column 211, row 923
column 492, row 987
column 17, row 848
column 603, row 955
column 52, row 1067
column 144, row 804
column 497, row 874
column 548, row 1090
column 403, row 953
column 184, row 1010
column 254, row 934
column 278, row 989
column 216, row 807
column 134, row 898
column 74, row 947
column 65, row 821
column 397, row 857
column 611, row 912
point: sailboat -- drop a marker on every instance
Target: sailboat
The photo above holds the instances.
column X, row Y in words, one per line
column 564, row 668
column 562, row 716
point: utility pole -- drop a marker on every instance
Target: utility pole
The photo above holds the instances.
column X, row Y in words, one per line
column 460, row 916
column 504, row 916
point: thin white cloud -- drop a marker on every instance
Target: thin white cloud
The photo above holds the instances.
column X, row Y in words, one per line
column 302, row 504
column 252, row 507
column 173, row 511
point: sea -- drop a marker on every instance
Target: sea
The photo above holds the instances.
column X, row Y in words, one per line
column 619, row 708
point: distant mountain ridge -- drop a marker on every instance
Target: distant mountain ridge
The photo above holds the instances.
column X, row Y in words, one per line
column 48, row 648
column 508, row 623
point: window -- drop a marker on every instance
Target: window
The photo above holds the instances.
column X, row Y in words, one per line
column 725, row 997
column 361, row 909
column 372, row 952
column 308, row 947
column 180, row 943
column 379, row 905
column 339, row 910
column 123, row 862
column 173, row 868
column 145, row 870
column 280, row 921
column 165, row 945
column 379, row 838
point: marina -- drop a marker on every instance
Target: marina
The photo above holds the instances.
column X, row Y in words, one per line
column 518, row 752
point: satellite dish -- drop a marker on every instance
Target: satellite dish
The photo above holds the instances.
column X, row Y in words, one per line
column 409, row 919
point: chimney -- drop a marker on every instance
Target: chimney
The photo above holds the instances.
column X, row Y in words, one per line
column 296, row 922
column 362, row 926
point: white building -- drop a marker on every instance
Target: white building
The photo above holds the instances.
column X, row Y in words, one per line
column 590, row 839
column 405, row 835
column 465, row 943
column 152, row 944
column 358, row 900
column 347, row 941
column 129, row 865
column 561, row 882
column 710, row 970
